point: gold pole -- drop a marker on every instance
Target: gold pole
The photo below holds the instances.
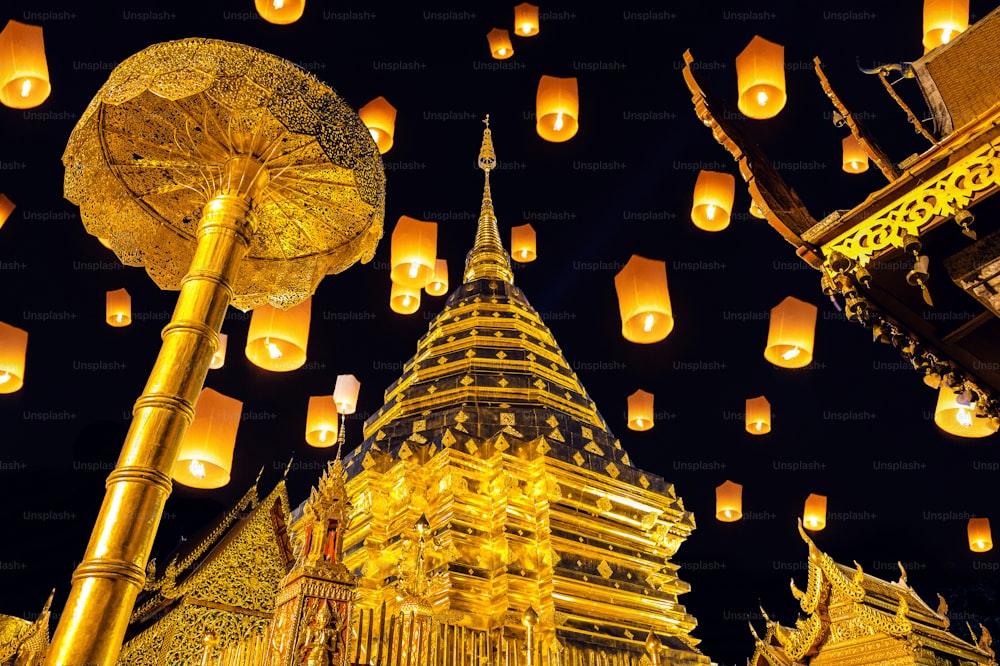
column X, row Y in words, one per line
column 112, row 573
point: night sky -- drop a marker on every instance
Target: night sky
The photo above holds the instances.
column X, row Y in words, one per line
column 855, row 425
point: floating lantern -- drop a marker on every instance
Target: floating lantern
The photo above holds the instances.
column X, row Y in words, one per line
column 413, row 252
column 380, row 118
column 24, row 74
column 526, row 19
column 522, row 244
column 640, row 411
column 438, row 285
column 790, row 333
column 980, row 536
column 345, row 393
column 943, row 20
column 404, row 300
column 321, row 421
column 713, row 200
column 814, row 514
column 118, row 308
column 855, row 157
column 760, row 77
column 281, row 12
column 758, row 416
column 206, row 455
column 13, row 349
column 6, row 208
column 644, row 300
column 219, row 357
column 729, row 502
column 277, row 339
column 557, row 108
column 955, row 413
column 500, row 46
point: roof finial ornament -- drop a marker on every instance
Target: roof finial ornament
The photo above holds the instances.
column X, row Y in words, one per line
column 487, row 258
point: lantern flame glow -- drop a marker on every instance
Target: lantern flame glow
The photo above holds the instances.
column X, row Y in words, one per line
column 791, row 353
column 197, row 469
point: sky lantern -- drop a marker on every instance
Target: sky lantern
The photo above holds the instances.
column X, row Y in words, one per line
column 855, row 159
column 219, row 357
column 277, row 339
column 814, row 513
column 526, row 19
column 206, row 456
column 13, row 349
column 345, row 394
column 943, row 20
column 413, row 252
column 403, row 299
column 712, row 205
column 644, row 300
column 118, row 308
column 955, row 413
column 522, row 244
column 729, row 502
column 6, row 208
column 790, row 333
column 758, row 416
column 438, row 284
column 380, row 118
column 980, row 536
column 321, row 421
column 760, row 79
column 24, row 73
column 640, row 410
column 499, row 41
column 281, row 12
column 557, row 108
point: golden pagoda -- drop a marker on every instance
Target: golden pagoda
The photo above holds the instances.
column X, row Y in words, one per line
column 852, row 618
column 488, row 516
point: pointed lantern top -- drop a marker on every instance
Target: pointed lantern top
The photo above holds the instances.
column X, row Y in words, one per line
column 487, row 259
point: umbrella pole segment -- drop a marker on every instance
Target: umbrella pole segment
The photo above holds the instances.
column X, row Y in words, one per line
column 112, row 573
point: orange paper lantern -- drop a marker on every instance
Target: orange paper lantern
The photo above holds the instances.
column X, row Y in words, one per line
column 814, row 514
column 955, row 413
column 345, row 393
column 6, row 208
column 404, row 300
column 644, row 300
column 526, row 20
column 438, row 285
column 500, row 46
column 24, row 74
column 557, row 108
column 219, row 357
column 522, row 244
column 855, row 158
column 206, row 456
column 760, row 79
column 729, row 502
column 118, row 308
column 790, row 333
column 321, row 421
column 277, row 339
column 640, row 411
column 281, row 12
column 758, row 416
column 712, row 206
column 980, row 536
column 943, row 20
column 13, row 350
column 380, row 118
column 413, row 252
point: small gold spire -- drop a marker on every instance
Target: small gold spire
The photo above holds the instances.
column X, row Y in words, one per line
column 487, row 258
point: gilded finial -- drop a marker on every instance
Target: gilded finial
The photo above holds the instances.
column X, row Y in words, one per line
column 487, row 158
column 259, row 474
column 288, row 467
column 487, row 258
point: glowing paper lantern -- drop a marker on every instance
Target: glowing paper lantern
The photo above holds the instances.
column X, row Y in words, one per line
column 644, row 300
column 500, row 46
column 281, row 12
column 24, row 74
column 729, row 502
column 438, row 285
column 814, row 514
column 206, row 456
column 404, row 300
column 557, row 108
column 522, row 244
column 760, row 79
column 526, row 19
column 277, row 339
column 13, row 349
column 855, row 157
column 6, row 208
column 321, row 421
column 757, row 211
column 956, row 414
column 790, row 333
column 219, row 357
column 380, row 118
column 758, row 416
column 943, row 20
column 345, row 393
column 413, row 252
column 980, row 536
column 640, row 411
column 713, row 200
column 118, row 308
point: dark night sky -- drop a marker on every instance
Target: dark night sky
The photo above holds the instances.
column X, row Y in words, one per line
column 856, row 425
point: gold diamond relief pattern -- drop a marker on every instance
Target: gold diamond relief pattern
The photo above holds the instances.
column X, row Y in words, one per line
column 644, row 482
column 471, row 447
column 466, row 380
column 557, row 436
column 604, row 504
column 593, row 448
column 419, row 425
column 578, row 458
column 507, row 418
column 447, row 439
column 503, row 382
column 612, row 470
column 539, row 384
column 552, row 421
column 501, row 355
column 605, row 569
column 586, row 432
column 543, row 446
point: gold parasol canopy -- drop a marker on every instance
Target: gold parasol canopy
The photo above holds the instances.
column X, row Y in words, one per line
column 152, row 149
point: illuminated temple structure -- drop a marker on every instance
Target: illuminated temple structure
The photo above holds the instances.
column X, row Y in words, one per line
column 493, row 518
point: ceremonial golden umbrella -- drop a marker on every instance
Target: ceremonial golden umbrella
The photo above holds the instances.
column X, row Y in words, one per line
column 237, row 178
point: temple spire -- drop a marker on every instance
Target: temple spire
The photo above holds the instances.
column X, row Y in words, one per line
column 487, row 259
